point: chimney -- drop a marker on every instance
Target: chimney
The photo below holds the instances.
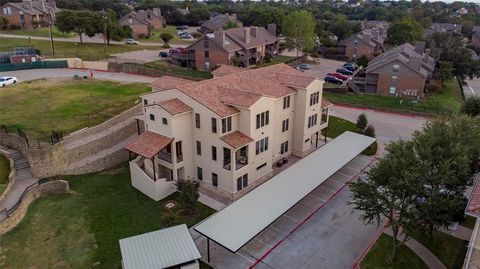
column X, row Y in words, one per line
column 272, row 28
column 419, row 47
column 157, row 11
column 381, row 31
column 375, row 34
column 219, row 37
column 246, row 35
column 367, row 37
column 254, row 31
column 426, row 55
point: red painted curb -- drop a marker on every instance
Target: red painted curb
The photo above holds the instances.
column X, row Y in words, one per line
column 369, row 246
column 308, row 217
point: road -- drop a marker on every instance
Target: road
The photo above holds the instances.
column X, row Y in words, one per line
column 97, row 39
column 32, row 74
column 388, row 126
column 473, row 88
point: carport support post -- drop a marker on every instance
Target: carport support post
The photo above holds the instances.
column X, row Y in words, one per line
column 208, row 250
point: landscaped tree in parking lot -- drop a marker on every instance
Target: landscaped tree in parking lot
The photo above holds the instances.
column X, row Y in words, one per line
column 389, row 192
column 420, row 183
column 166, row 37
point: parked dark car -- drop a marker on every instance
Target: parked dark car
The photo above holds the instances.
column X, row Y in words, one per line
column 163, row 54
column 182, row 27
column 337, row 75
column 303, row 67
column 344, row 71
column 333, row 80
column 350, row 66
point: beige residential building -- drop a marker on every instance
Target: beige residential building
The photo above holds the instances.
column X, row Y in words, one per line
column 227, row 132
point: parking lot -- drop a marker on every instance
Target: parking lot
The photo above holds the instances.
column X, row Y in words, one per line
column 318, row 232
column 325, row 66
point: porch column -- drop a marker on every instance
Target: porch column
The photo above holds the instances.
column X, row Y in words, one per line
column 233, row 160
column 153, row 164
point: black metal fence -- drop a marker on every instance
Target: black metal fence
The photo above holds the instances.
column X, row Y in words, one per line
column 34, row 65
column 33, row 142
column 6, row 212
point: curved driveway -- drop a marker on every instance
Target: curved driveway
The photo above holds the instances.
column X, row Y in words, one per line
column 32, row 74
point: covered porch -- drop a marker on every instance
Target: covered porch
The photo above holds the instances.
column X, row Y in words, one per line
column 235, row 157
column 151, row 175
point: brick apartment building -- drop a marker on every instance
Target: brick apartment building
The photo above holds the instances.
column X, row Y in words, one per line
column 368, row 42
column 401, row 71
column 217, row 22
column 29, row 14
column 243, row 46
column 227, row 132
column 143, row 22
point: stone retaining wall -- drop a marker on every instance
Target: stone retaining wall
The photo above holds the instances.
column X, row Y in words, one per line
column 54, row 160
column 11, row 178
column 57, row 186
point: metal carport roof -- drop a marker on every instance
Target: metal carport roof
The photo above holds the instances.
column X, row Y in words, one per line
column 242, row 220
column 159, row 249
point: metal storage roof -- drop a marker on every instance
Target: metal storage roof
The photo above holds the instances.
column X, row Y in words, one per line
column 242, row 220
column 160, row 249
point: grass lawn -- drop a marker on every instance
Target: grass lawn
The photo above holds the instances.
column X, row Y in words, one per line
column 448, row 100
column 38, row 32
column 65, row 105
column 276, row 60
column 337, row 126
column 77, row 229
column 450, row 250
column 381, row 251
column 469, row 222
column 174, row 70
column 169, row 29
column 4, row 172
column 84, row 51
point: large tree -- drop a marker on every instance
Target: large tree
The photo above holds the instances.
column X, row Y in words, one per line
column 389, row 192
column 450, row 47
column 299, row 30
column 472, row 106
column 79, row 22
column 404, row 30
column 115, row 31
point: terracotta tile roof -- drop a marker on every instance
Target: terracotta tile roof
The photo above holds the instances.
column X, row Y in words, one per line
column 226, row 69
column 236, row 139
column 268, row 81
column 169, row 82
column 238, row 98
column 326, row 103
column 148, row 144
column 295, row 80
column 174, row 106
column 473, row 206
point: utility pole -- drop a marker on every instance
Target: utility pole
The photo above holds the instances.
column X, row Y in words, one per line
column 50, row 23
column 105, row 17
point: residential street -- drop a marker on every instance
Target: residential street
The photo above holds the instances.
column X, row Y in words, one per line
column 98, row 39
column 473, row 88
column 388, row 126
column 32, row 74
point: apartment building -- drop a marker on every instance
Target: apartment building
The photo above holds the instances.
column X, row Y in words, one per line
column 368, row 42
column 443, row 28
column 227, row 132
column 143, row 22
column 29, row 14
column 400, row 71
column 243, row 46
column 218, row 21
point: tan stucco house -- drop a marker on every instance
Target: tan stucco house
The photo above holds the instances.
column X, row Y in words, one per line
column 227, row 132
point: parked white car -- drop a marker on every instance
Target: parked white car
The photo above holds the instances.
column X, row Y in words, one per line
column 4, row 81
column 131, row 41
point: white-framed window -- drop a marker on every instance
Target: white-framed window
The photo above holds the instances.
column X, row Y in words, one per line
column 393, row 90
column 312, row 120
column 261, row 145
column 314, row 98
column 286, row 102
column 285, row 125
column 226, row 125
column 284, row 147
column 197, row 120
column 263, row 119
column 242, row 182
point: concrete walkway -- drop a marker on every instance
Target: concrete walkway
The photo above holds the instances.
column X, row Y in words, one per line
column 459, row 232
column 22, row 179
column 210, row 202
column 422, row 252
